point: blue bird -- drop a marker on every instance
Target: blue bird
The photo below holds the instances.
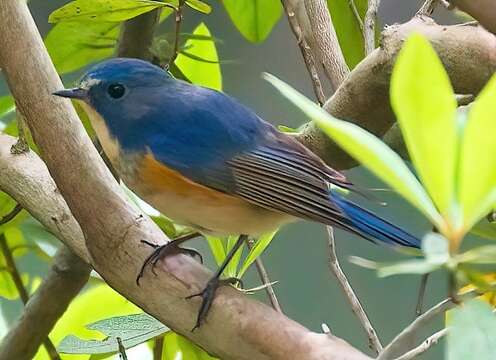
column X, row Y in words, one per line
column 208, row 162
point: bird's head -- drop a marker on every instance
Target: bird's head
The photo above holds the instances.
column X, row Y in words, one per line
column 117, row 93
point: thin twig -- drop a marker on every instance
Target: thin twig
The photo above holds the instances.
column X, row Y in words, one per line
column 21, row 146
column 21, row 289
column 421, row 293
column 122, row 349
column 354, row 9
column 356, row 306
column 177, row 35
column 264, row 276
column 326, row 41
column 11, row 215
column 158, row 345
column 427, row 8
column 305, row 50
column 369, row 27
column 404, row 338
column 424, row 346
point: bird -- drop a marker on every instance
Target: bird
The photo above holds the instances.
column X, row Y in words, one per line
column 208, row 162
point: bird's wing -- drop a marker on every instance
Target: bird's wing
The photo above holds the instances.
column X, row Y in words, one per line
column 217, row 142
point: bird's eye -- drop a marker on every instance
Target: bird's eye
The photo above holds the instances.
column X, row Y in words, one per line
column 116, row 91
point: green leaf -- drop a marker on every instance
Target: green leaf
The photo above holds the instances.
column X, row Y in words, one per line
column 485, row 229
column 348, row 29
column 217, row 248
column 202, row 73
column 435, row 248
column 99, row 302
column 481, row 255
column 413, row 266
column 7, row 106
column 367, row 149
column 104, row 10
column 131, row 329
column 256, row 250
column 232, row 266
column 7, row 204
column 72, row 45
column 425, row 105
column 477, row 192
column 36, row 234
column 166, row 225
column 471, row 332
column 254, row 18
column 179, row 347
column 199, row 5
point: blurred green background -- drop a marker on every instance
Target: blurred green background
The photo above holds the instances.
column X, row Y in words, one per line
column 298, row 257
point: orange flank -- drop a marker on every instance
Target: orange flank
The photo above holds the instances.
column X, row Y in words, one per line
column 159, row 178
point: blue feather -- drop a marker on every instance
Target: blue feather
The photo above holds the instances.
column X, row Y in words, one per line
column 371, row 226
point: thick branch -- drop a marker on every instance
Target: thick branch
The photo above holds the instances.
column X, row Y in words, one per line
column 468, row 54
column 484, row 11
column 326, row 42
column 237, row 327
column 137, row 36
column 64, row 281
column 306, row 52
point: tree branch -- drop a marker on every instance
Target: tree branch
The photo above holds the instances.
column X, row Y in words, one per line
column 64, row 281
column 369, row 26
column 404, row 339
column 483, row 11
column 306, row 52
column 468, row 54
column 237, row 327
column 356, row 306
column 426, row 345
column 326, row 42
column 137, row 36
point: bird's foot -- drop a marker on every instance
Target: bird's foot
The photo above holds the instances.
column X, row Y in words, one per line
column 161, row 251
column 208, row 295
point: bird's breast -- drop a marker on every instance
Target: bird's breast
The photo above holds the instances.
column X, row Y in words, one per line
column 198, row 206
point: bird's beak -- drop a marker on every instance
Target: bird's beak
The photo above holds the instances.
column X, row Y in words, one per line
column 74, row 93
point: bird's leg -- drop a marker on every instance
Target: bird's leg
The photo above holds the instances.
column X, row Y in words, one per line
column 208, row 293
column 161, row 251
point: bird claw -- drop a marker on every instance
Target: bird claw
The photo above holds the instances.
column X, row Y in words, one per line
column 208, row 296
column 162, row 251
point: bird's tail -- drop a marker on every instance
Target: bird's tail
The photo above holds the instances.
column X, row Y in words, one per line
column 372, row 227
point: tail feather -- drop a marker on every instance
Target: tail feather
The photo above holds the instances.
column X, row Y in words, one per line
column 371, row 226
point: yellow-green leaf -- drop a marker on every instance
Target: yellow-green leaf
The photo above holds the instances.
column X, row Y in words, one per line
column 104, row 10
column 72, row 45
column 258, row 248
column 367, row 149
column 477, row 192
column 348, row 29
column 425, row 106
column 199, row 5
column 205, row 73
column 254, row 18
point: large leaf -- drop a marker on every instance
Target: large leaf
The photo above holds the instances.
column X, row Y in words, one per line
column 100, row 302
column 178, row 347
column 131, row 329
column 471, row 333
column 254, row 18
column 258, row 248
column 348, row 29
column 72, row 45
column 105, row 10
column 205, row 73
column 425, row 105
column 7, row 106
column 477, row 192
column 485, row 229
column 367, row 149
